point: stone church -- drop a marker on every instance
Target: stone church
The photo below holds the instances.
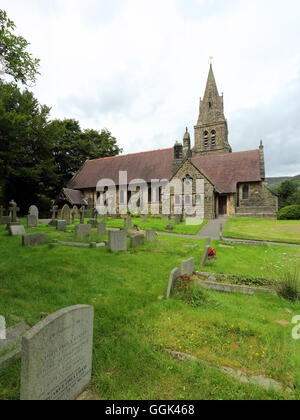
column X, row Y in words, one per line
column 234, row 183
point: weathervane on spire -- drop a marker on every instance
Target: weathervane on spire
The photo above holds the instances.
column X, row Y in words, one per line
column 211, row 59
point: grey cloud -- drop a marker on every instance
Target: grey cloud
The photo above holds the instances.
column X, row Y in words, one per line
column 278, row 125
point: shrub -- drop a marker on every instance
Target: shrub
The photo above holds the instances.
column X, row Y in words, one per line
column 288, row 288
column 289, row 213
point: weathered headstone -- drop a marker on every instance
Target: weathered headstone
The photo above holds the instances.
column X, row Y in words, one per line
column 137, row 240
column 5, row 220
column 101, row 228
column 169, row 227
column 187, row 267
column 145, row 218
column 117, row 240
column 151, row 235
column 83, row 231
column 205, row 255
column 33, row 210
column 128, row 222
column 66, row 214
column 57, row 355
column 61, row 225
column 82, row 211
column 174, row 276
column 16, row 230
column 34, row 239
column 13, row 211
column 177, row 219
column 93, row 223
column 32, row 221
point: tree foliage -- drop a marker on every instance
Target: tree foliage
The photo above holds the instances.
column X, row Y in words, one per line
column 14, row 58
column 38, row 156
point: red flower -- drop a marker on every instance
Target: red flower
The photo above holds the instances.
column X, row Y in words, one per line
column 212, row 253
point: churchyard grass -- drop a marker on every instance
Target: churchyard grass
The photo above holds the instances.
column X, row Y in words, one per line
column 264, row 230
column 134, row 326
column 159, row 225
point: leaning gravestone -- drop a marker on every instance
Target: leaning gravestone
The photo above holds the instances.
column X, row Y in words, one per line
column 83, row 231
column 174, row 276
column 102, row 229
column 187, row 267
column 205, row 255
column 57, row 355
column 34, row 211
column 32, row 221
column 117, row 240
column 151, row 235
column 61, row 225
column 34, row 239
column 66, row 214
column 16, row 230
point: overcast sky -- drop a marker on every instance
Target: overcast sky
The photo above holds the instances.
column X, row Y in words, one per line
column 139, row 68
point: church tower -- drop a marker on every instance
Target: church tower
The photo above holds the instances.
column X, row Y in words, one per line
column 211, row 131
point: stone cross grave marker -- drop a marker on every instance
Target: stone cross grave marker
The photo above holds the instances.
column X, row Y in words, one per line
column 82, row 211
column 54, row 212
column 33, row 210
column 14, row 210
column 169, row 227
column 205, row 255
column 57, row 355
column 66, row 214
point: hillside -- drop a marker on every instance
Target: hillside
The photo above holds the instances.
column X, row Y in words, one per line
column 276, row 182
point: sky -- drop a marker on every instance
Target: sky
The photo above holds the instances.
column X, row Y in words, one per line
column 139, row 68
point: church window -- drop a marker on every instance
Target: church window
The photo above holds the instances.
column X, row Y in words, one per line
column 245, row 192
column 213, row 138
column 206, row 139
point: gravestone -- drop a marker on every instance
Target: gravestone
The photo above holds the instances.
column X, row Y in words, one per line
column 75, row 213
column 54, row 211
column 128, row 222
column 177, row 219
column 16, row 230
column 34, row 239
column 61, row 225
column 102, row 229
column 145, row 218
column 66, row 214
column 137, row 240
column 187, row 267
column 73, row 216
column 205, row 255
column 32, row 221
column 93, row 223
column 174, row 276
column 117, row 240
column 82, row 211
column 33, row 210
column 169, row 227
column 83, row 231
column 57, row 355
column 151, row 235
column 5, row 220
column 13, row 211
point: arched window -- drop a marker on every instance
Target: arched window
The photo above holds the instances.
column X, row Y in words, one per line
column 213, row 138
column 245, row 192
column 205, row 138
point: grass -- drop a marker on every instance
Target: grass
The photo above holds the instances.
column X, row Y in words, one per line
column 159, row 225
column 286, row 231
column 134, row 326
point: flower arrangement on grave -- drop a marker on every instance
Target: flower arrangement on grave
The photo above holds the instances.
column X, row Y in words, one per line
column 212, row 254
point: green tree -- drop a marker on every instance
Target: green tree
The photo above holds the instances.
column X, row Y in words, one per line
column 285, row 191
column 294, row 199
column 14, row 59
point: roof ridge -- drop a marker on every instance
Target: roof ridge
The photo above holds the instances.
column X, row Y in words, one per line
column 226, row 154
column 131, row 154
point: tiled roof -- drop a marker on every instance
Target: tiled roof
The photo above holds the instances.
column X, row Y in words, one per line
column 223, row 171
column 74, row 197
column 156, row 164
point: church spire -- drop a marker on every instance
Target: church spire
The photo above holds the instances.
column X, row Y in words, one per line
column 211, row 131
